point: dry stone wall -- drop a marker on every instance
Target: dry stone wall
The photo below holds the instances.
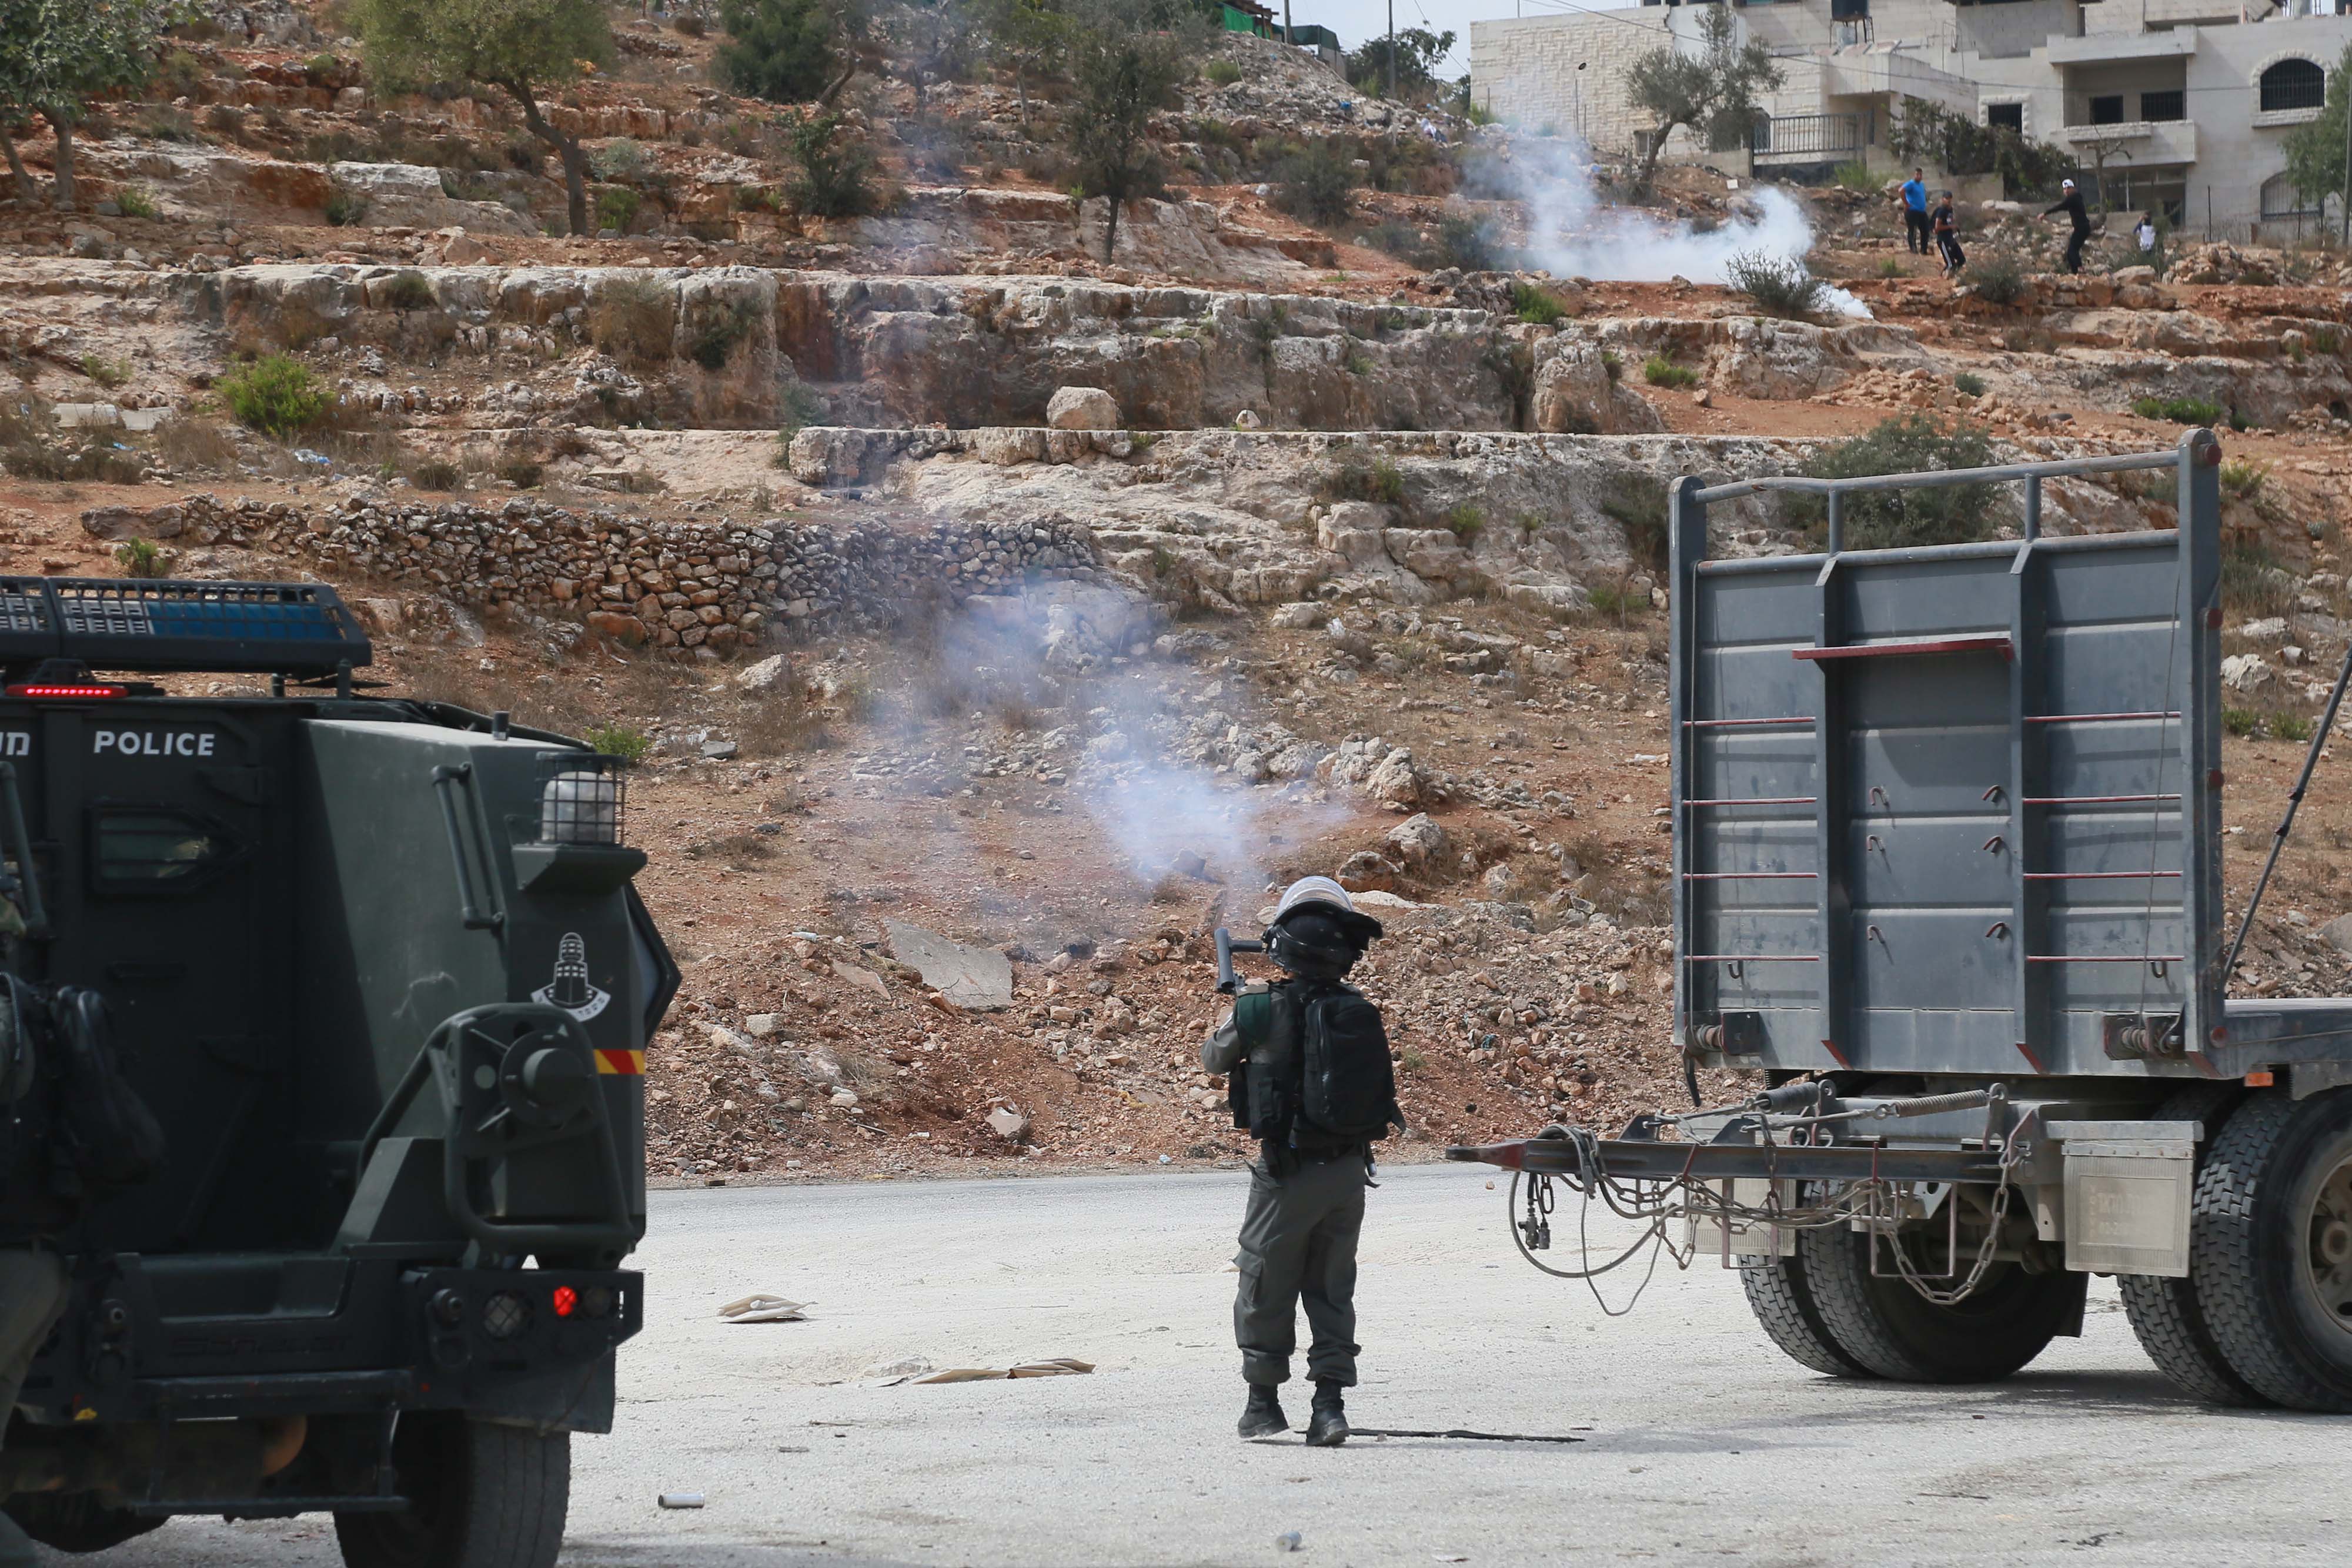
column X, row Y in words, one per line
column 715, row 586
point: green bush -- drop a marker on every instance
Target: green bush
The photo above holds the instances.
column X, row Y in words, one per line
column 621, row 160
column 1611, row 598
column 786, row 51
column 616, row 208
column 1638, row 503
column 108, row 373
column 437, row 474
column 711, row 340
column 1661, row 371
column 1317, row 183
column 1535, row 306
column 630, row 317
column 344, row 210
column 410, row 291
column 2178, row 409
column 631, row 746
column 1783, row 286
column 1855, row 176
column 137, row 202
column 275, row 395
column 2243, row 479
column 1968, row 383
column 1355, row 477
column 1890, row 267
column 1469, row 245
column 1465, row 521
column 522, row 475
column 1995, row 278
column 1890, row 519
column 138, row 558
column 2291, row 727
column 2253, row 582
column 2240, row 722
column 835, row 168
column 1224, row 73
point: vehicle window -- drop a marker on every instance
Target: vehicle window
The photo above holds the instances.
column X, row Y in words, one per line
column 137, row 848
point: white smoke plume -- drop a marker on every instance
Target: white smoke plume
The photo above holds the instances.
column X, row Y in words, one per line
column 1573, row 233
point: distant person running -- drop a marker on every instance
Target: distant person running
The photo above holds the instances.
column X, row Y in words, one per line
column 1945, row 225
column 1914, row 197
column 2146, row 234
column 2070, row 204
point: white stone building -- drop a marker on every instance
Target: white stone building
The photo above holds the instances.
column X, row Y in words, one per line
column 2185, row 103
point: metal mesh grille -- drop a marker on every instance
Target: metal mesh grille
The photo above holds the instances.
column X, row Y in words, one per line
column 245, row 611
column 23, row 612
column 582, row 800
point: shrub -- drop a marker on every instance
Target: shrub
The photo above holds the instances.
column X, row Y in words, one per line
column 1535, row 305
column 1356, row 477
column 1359, row 363
column 2178, row 409
column 1316, row 184
column 783, row 50
column 2243, row 479
column 1609, row 598
column 631, row 316
column 137, row 202
column 631, row 746
column 1611, row 366
column 138, row 558
column 108, row 373
column 621, row 159
column 713, row 339
column 1890, row 267
column 1639, row 506
column 2240, row 722
column 616, row 208
column 344, row 210
column 275, row 395
column 1783, row 286
column 1968, row 383
column 1995, row 278
column 2253, row 582
column 33, row 447
column 2291, row 727
column 1465, row 521
column 802, row 406
column 436, row 475
column 522, row 475
column 1888, row 520
column 1855, row 176
column 1224, row 73
column 689, row 24
column 410, row 291
column 1661, row 371
column 1395, row 237
column 1469, row 245
column 835, row 168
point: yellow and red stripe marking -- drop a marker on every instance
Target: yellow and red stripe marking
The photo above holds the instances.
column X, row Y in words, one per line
column 627, row 1063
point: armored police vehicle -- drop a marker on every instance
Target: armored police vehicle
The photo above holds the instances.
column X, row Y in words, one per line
column 378, row 968
column 1948, row 860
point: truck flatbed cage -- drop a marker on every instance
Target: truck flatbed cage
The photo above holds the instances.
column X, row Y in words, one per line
column 300, row 629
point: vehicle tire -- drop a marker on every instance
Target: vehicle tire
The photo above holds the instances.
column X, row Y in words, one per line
column 77, row 1521
column 1894, row 1331
column 1782, row 1299
column 481, row 1495
column 2164, row 1314
column 2270, row 1248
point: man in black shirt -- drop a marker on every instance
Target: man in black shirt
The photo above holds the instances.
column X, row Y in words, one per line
column 2070, row 202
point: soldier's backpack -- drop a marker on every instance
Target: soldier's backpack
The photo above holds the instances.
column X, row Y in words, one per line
column 1318, row 1074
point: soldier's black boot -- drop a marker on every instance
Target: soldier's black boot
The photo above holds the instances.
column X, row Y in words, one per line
column 1262, row 1416
column 1328, row 1426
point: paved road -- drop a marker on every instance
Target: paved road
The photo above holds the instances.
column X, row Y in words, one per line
column 1700, row 1441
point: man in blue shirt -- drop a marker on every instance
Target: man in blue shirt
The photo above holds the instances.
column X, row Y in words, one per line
column 1914, row 212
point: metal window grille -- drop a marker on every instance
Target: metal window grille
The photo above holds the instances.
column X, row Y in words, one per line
column 2168, row 105
column 2293, row 84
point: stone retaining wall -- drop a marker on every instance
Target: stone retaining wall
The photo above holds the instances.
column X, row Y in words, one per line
column 718, row 586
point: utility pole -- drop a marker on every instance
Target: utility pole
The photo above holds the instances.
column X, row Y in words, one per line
column 1286, row 23
column 1392, row 51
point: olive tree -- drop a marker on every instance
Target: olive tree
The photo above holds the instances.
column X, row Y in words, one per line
column 56, row 56
column 516, row 46
column 1126, row 61
column 1714, row 92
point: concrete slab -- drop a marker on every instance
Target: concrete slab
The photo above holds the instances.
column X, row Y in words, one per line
column 977, row 978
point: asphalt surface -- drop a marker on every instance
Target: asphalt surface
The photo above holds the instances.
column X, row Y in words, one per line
column 1699, row 1441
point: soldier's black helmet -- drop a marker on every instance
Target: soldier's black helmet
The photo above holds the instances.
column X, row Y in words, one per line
column 1316, row 931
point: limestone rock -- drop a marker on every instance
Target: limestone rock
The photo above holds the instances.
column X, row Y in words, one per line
column 409, row 195
column 1303, row 615
column 1419, row 840
column 2245, row 673
column 1083, row 408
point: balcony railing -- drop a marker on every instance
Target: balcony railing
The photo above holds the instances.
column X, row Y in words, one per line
column 1807, row 138
column 2141, row 143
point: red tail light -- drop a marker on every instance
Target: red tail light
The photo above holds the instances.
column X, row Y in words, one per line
column 66, row 693
column 566, row 1298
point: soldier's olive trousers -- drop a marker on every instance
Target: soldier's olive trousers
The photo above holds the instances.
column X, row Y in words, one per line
column 1298, row 1245
column 32, row 1294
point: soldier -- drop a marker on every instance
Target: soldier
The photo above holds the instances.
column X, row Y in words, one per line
column 1310, row 1079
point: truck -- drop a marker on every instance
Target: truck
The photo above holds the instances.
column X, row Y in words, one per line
column 1948, row 893
column 378, row 966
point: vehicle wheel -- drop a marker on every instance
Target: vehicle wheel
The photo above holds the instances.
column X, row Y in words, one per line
column 2164, row 1314
column 481, row 1495
column 1894, row 1331
column 1782, row 1299
column 77, row 1521
column 2270, row 1246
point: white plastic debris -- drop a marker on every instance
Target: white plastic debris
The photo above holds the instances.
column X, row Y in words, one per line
column 680, row 1500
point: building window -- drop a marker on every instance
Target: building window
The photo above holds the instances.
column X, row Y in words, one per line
column 2005, row 117
column 2107, row 109
column 2171, row 105
column 2293, row 84
column 2281, row 200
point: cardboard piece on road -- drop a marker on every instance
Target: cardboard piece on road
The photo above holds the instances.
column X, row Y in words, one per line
column 1060, row 1366
column 979, row 979
column 760, row 1307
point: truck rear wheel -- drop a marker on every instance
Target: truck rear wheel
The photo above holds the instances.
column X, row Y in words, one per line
column 2164, row 1314
column 480, row 1496
column 2270, row 1248
column 1894, row 1331
column 1782, row 1299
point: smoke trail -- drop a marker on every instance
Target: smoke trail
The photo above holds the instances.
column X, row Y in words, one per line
column 1573, row 233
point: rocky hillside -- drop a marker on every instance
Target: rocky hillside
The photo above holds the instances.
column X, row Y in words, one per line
column 996, row 618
